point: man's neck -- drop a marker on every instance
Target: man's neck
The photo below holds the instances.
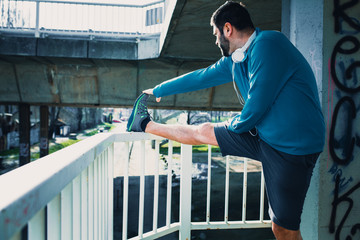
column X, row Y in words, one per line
column 243, row 37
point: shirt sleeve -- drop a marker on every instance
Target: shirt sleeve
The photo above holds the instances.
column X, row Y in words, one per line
column 268, row 72
column 216, row 74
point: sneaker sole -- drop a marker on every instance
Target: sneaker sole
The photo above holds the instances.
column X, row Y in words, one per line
column 135, row 109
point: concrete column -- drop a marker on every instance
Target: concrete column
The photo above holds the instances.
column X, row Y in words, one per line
column 341, row 191
column 44, row 131
column 24, row 144
column 24, row 134
column 328, row 35
column 304, row 23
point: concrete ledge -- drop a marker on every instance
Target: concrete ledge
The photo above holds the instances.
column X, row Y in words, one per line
column 62, row 48
column 113, row 50
column 22, row 46
column 121, row 49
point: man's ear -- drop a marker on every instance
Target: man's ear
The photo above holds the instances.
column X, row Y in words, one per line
column 227, row 29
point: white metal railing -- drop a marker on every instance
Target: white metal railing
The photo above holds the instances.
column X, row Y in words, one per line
column 90, row 19
column 65, row 195
column 69, row 194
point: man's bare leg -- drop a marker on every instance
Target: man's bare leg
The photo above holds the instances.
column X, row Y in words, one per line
column 204, row 134
column 187, row 134
column 285, row 234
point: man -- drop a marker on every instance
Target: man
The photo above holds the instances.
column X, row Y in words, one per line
column 281, row 123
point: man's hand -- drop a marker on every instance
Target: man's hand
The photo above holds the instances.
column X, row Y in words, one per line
column 150, row 91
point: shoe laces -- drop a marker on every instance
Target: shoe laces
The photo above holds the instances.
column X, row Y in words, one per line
column 143, row 109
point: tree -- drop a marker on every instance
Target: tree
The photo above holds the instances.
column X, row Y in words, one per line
column 79, row 117
column 197, row 117
column 54, row 116
column 7, row 125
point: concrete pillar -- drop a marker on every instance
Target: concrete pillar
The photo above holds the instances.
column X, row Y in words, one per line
column 44, row 131
column 24, row 134
column 328, row 35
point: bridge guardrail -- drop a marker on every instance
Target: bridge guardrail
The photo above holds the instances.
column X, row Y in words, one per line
column 69, row 194
column 81, row 19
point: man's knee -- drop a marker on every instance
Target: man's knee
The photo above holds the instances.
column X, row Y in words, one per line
column 205, row 127
column 277, row 230
column 205, row 133
column 283, row 233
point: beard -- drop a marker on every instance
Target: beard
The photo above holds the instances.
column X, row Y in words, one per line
column 224, row 46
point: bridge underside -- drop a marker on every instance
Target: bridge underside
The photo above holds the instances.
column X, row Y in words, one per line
column 77, row 72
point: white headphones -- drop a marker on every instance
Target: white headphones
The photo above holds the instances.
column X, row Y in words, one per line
column 239, row 54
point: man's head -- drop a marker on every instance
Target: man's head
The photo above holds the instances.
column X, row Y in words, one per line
column 233, row 15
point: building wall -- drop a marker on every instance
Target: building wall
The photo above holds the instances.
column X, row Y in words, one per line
column 340, row 181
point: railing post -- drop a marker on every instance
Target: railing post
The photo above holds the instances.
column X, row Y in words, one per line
column 208, row 191
column 142, row 190
column 156, row 188
column 66, row 212
column 76, row 205
column 244, row 190
column 169, row 184
column 37, row 33
column 37, row 226
column 185, row 192
column 227, row 175
column 126, row 191
column 84, row 204
column 110, row 220
column 53, row 219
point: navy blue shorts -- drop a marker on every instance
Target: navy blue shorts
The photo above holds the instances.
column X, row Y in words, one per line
column 287, row 177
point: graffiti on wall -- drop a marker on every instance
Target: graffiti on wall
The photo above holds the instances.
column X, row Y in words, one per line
column 344, row 137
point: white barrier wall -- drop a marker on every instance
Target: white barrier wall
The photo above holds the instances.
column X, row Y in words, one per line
column 328, row 34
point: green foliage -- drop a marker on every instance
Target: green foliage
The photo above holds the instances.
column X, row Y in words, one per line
column 14, row 153
column 196, row 149
column 91, row 133
column 105, row 126
column 62, row 145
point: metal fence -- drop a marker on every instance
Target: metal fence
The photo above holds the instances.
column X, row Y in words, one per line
column 69, row 194
column 84, row 19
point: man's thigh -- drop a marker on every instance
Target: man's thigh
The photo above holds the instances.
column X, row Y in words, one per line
column 230, row 143
column 287, row 177
column 287, row 180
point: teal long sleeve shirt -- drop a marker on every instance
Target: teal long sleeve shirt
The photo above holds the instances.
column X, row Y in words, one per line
column 279, row 90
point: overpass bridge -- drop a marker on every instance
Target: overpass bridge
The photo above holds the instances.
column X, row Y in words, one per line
column 95, row 70
column 108, row 63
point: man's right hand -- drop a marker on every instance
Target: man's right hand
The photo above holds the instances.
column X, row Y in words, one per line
column 150, row 91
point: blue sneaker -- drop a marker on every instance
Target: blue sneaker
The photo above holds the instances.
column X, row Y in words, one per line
column 139, row 115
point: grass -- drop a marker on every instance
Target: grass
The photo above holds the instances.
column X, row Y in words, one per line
column 54, row 148
column 14, row 153
column 10, row 152
column 105, row 125
column 62, row 145
column 92, row 133
column 196, row 149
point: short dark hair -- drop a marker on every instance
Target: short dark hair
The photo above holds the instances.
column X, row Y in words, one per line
column 234, row 13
